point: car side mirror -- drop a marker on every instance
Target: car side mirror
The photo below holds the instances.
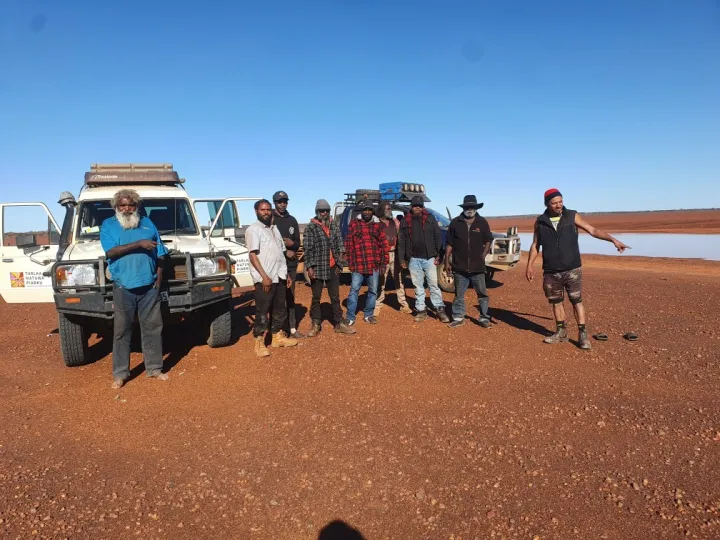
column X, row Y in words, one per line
column 25, row 241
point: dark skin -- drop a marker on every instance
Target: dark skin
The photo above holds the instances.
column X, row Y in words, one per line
column 264, row 214
column 417, row 211
column 322, row 214
column 127, row 207
column 281, row 208
column 448, row 250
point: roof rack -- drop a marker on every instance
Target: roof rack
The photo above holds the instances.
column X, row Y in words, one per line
column 394, row 192
column 109, row 174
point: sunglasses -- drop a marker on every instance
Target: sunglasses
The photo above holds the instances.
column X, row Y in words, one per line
column 323, row 211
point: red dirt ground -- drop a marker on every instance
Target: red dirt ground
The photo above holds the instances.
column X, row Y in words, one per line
column 405, row 430
column 681, row 221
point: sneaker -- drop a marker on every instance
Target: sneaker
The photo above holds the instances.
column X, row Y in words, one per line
column 485, row 323
column 443, row 316
column 297, row 334
column 349, row 322
column 456, row 323
column 405, row 309
column 420, row 316
column 118, row 383
column 159, row 375
column 343, row 328
column 371, row 320
column 583, row 340
column 557, row 337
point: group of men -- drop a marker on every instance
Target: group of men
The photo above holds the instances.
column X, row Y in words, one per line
column 377, row 248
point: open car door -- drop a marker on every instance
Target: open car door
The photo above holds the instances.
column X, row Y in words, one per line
column 29, row 243
column 226, row 231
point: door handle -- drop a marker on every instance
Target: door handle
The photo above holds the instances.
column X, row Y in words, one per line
column 7, row 260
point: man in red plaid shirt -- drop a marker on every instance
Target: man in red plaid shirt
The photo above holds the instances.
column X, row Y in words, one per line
column 366, row 249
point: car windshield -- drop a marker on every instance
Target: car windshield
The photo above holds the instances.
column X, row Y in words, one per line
column 171, row 216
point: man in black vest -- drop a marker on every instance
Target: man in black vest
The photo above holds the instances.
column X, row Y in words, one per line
column 556, row 233
column 468, row 242
column 290, row 232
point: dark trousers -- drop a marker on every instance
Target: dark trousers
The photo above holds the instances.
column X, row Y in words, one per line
column 290, row 301
column 463, row 280
column 333, row 287
column 145, row 301
column 273, row 301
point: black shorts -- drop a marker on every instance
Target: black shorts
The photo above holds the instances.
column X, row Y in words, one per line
column 555, row 285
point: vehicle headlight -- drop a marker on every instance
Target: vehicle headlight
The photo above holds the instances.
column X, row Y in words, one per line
column 208, row 266
column 77, row 274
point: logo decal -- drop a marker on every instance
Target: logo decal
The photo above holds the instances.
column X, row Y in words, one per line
column 292, row 230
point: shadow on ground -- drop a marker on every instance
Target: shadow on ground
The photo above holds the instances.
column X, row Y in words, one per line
column 339, row 530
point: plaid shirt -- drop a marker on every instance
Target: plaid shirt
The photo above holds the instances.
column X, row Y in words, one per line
column 317, row 246
column 367, row 246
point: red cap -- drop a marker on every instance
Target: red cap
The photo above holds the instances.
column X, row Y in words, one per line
column 551, row 191
column 551, row 194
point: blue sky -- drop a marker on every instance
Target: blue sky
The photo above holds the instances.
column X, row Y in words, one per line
column 616, row 103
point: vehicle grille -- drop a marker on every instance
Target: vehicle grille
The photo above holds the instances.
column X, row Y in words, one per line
column 178, row 269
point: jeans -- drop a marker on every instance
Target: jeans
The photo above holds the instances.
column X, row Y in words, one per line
column 356, row 282
column 333, row 287
column 266, row 301
column 145, row 301
column 462, row 282
column 392, row 270
column 421, row 270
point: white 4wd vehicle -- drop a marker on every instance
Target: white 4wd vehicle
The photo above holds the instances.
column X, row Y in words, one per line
column 69, row 266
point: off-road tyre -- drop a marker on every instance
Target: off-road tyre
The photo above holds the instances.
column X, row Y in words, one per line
column 220, row 326
column 73, row 340
column 446, row 281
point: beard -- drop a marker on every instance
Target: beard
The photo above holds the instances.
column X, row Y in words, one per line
column 388, row 214
column 324, row 219
column 367, row 219
column 470, row 213
column 128, row 220
column 265, row 221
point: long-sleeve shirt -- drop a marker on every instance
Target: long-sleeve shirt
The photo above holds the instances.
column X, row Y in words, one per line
column 366, row 246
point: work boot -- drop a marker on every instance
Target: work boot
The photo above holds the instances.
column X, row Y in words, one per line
column 344, row 328
column 421, row 316
column 557, row 337
column 583, row 340
column 443, row 316
column 260, row 348
column 405, row 309
column 315, row 330
column 279, row 339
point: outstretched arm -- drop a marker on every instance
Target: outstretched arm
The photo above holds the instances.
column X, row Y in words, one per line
column 599, row 234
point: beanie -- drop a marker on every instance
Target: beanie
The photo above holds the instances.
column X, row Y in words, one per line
column 322, row 204
column 551, row 194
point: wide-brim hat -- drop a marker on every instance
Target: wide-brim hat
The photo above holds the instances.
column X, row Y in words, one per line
column 470, row 201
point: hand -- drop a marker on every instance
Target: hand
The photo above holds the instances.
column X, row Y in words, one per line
column 290, row 254
column 311, row 273
column 382, row 270
column 267, row 283
column 529, row 274
column 288, row 242
column 436, row 261
column 147, row 244
column 403, row 265
column 289, row 282
column 620, row 246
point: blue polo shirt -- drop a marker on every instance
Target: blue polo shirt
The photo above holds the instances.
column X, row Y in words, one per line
column 139, row 267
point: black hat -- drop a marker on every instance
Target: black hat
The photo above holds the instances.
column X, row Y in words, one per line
column 470, row 201
column 366, row 203
column 279, row 196
column 417, row 200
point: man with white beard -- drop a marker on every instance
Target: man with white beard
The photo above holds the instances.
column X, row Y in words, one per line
column 133, row 248
column 468, row 242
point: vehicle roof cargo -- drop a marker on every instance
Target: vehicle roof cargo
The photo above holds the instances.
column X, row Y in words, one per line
column 107, row 174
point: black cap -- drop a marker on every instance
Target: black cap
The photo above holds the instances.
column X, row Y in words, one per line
column 279, row 196
column 417, row 200
column 470, row 201
column 366, row 203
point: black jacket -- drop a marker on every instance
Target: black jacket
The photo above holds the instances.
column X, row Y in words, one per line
column 560, row 249
column 431, row 233
column 288, row 227
column 468, row 244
